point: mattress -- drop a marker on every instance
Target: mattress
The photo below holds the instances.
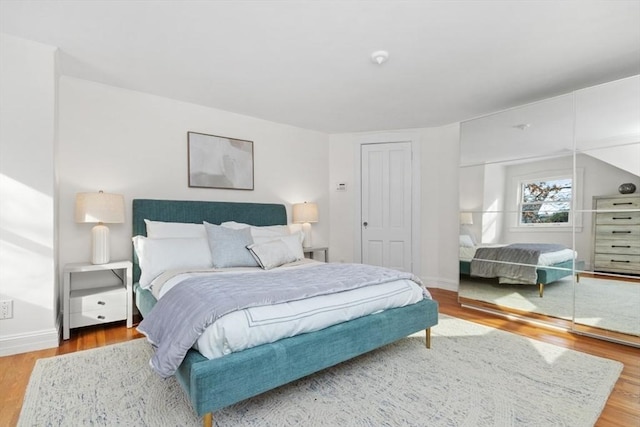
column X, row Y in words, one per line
column 255, row 326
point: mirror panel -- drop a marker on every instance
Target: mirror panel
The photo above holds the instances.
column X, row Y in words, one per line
column 607, row 299
column 513, row 163
column 535, row 130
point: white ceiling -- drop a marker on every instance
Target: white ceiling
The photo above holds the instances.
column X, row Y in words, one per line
column 308, row 63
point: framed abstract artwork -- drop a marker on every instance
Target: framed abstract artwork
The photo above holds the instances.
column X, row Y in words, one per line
column 219, row 162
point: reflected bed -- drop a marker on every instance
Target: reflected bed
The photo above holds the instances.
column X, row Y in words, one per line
column 551, row 264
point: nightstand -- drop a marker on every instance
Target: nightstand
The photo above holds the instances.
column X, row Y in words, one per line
column 313, row 249
column 97, row 303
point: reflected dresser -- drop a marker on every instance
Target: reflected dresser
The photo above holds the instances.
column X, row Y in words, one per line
column 616, row 233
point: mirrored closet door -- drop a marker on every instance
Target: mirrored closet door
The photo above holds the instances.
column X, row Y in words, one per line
column 546, row 232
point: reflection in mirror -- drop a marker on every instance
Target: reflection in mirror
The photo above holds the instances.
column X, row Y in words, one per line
column 535, row 130
column 607, row 302
column 608, row 115
column 499, row 268
column 528, row 175
column 606, row 305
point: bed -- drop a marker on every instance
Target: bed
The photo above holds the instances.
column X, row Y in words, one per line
column 212, row 384
column 541, row 265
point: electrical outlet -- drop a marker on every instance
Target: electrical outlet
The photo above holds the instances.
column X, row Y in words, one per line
column 6, row 309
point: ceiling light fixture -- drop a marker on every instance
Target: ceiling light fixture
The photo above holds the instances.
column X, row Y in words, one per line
column 523, row 126
column 380, row 56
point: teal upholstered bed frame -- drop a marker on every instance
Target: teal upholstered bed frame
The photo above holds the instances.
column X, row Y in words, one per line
column 214, row 384
column 546, row 274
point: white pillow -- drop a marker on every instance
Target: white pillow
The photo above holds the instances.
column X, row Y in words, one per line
column 271, row 254
column 265, row 231
column 466, row 241
column 155, row 256
column 166, row 230
column 293, row 242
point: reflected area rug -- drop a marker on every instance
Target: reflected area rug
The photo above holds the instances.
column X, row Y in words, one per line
column 472, row 376
column 599, row 302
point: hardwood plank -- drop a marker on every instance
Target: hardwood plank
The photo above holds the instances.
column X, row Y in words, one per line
column 622, row 408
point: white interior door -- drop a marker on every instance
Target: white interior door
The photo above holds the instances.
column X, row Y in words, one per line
column 386, row 205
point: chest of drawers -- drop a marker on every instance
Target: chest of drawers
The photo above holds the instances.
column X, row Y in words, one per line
column 616, row 234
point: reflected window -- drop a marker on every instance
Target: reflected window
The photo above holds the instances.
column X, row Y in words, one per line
column 545, row 201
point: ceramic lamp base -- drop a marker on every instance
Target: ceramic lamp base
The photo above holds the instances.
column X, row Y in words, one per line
column 306, row 229
column 100, row 244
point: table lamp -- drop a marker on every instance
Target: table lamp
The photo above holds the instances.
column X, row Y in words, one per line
column 305, row 213
column 101, row 208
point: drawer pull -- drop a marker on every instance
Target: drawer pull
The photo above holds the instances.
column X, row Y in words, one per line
column 621, row 246
column 102, row 303
column 101, row 317
column 621, row 217
column 621, row 232
column 615, row 260
column 622, row 203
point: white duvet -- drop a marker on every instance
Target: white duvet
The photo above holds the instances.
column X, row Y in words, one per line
column 260, row 325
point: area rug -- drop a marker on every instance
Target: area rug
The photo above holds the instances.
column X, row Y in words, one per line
column 599, row 302
column 472, row 376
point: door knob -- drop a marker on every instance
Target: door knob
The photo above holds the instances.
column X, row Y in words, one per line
column 365, row 224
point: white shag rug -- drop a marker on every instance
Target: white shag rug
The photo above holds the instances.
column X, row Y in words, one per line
column 602, row 303
column 472, row 376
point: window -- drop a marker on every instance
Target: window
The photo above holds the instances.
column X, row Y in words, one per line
column 545, row 202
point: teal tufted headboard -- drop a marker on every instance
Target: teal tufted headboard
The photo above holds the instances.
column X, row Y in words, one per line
column 197, row 211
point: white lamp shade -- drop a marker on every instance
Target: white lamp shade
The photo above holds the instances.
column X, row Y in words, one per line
column 99, row 208
column 305, row 212
column 466, row 218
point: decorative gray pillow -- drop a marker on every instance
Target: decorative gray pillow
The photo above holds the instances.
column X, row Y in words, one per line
column 271, row 254
column 229, row 247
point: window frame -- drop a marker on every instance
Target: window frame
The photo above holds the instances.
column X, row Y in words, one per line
column 552, row 176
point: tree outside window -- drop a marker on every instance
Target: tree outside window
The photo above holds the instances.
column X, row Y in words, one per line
column 546, row 202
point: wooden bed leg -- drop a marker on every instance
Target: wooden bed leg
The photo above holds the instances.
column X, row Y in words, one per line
column 577, row 277
column 541, row 289
column 428, row 336
column 207, row 420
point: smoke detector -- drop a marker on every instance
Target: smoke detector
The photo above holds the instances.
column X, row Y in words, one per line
column 380, row 56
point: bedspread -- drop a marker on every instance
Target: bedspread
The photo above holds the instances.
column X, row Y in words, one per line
column 513, row 263
column 178, row 319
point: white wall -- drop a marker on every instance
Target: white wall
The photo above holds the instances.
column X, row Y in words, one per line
column 135, row 144
column 439, row 160
column 27, row 194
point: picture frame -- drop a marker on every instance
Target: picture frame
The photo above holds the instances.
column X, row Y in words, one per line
column 219, row 162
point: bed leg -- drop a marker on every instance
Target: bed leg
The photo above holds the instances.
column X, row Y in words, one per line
column 541, row 289
column 207, row 420
column 577, row 277
column 428, row 337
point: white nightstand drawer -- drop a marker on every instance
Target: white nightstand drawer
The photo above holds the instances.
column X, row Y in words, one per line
column 90, row 302
column 93, row 317
column 98, row 299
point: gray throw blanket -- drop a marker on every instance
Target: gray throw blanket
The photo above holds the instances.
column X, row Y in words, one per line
column 514, row 263
column 185, row 311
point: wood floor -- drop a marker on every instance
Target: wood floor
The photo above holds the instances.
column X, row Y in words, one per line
column 622, row 409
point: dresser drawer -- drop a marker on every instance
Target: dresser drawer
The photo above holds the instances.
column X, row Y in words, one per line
column 98, row 299
column 618, row 218
column 92, row 317
column 620, row 263
column 618, row 203
column 631, row 247
column 617, row 232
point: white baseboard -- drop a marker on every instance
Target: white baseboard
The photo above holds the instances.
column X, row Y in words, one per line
column 440, row 283
column 32, row 341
